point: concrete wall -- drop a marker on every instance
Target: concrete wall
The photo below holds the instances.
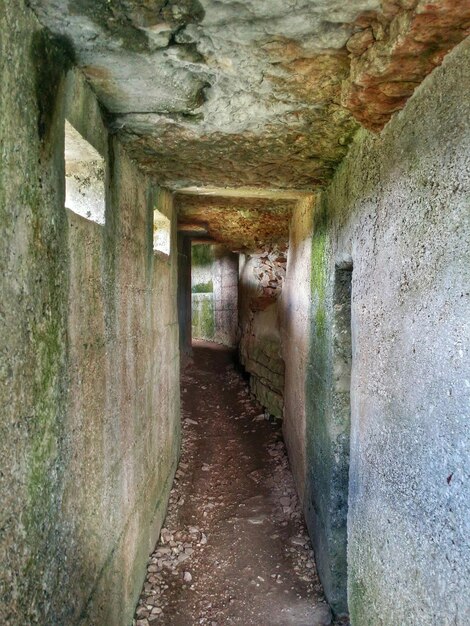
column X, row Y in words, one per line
column 398, row 211
column 225, row 281
column 260, row 338
column 295, row 306
column 89, row 355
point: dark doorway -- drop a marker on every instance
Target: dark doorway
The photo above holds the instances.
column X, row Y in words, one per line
column 342, row 366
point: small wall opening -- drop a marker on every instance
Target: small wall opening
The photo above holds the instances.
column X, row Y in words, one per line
column 84, row 177
column 161, row 233
column 342, row 366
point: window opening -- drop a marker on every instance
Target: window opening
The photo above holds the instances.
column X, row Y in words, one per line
column 84, row 177
column 161, row 233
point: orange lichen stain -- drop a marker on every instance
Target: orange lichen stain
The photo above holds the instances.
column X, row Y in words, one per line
column 409, row 44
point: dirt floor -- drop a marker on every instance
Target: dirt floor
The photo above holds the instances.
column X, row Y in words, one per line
column 234, row 549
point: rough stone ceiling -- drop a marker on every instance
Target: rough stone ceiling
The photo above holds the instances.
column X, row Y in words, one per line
column 251, row 93
column 243, row 224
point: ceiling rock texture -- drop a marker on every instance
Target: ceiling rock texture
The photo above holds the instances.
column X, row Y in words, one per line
column 248, row 224
column 251, row 93
column 394, row 50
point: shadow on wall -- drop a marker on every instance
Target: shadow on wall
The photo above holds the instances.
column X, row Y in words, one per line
column 328, row 414
column 261, row 280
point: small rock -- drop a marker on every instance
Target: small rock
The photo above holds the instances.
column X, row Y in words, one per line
column 182, row 557
column 187, row 577
column 321, row 615
column 298, row 541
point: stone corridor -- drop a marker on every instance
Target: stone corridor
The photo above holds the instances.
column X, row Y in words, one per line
column 234, row 548
column 186, row 184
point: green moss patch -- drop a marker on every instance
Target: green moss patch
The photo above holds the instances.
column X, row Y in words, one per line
column 203, row 287
column 201, row 255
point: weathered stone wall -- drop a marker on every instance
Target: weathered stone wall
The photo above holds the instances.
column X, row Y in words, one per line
column 397, row 212
column 295, row 323
column 89, row 362
column 225, row 280
column 33, row 311
column 123, row 395
column 260, row 340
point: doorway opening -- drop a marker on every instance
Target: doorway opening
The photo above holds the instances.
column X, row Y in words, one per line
column 342, row 367
column 202, row 292
column 214, row 294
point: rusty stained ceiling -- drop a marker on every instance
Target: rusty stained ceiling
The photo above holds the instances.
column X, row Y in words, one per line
column 258, row 93
column 243, row 224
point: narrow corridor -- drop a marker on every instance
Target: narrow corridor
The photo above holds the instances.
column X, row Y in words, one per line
column 234, row 549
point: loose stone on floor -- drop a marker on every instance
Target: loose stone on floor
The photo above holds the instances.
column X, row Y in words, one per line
column 234, row 548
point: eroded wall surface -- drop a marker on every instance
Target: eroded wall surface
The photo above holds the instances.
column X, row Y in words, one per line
column 89, row 362
column 397, row 212
column 260, row 349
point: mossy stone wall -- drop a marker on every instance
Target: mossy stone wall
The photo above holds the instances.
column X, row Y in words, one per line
column 382, row 481
column 89, row 358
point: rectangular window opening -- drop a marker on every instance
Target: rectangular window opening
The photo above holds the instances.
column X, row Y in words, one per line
column 161, row 233
column 84, row 177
